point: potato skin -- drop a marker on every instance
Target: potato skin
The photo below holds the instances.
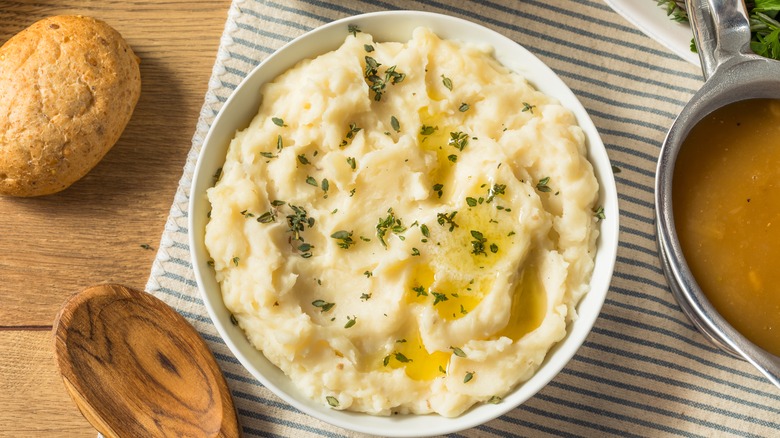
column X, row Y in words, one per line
column 68, row 87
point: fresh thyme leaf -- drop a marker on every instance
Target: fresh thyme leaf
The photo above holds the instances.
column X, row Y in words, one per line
column 268, row 154
column 478, row 244
column 303, row 160
column 277, row 121
column 439, row 189
column 365, row 297
column 235, row 260
column 415, row 252
column 325, row 185
column 420, row 291
column 401, row 358
column 345, row 237
column 350, row 322
column 217, row 174
column 352, row 163
column 386, row 360
column 439, row 297
column 233, row 319
column 497, row 189
column 267, row 217
column 464, row 107
column 353, row 29
column 368, row 48
column 599, row 213
column 388, row 224
column 311, row 181
column 494, row 400
column 368, row 274
column 332, row 401
column 279, row 143
column 453, row 158
column 542, row 185
column 615, row 169
column 457, row 351
column 447, row 82
column 493, row 248
column 458, row 140
column 395, row 124
column 442, row 370
column 471, row 201
column 469, row 375
column 528, row 107
column 323, row 305
column 298, row 221
column 428, row 130
column 147, row 246
column 378, row 84
column 353, row 129
column 447, row 219
column 425, row 231
column 277, row 203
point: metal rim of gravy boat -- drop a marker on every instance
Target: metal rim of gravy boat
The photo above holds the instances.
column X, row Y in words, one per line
column 733, row 73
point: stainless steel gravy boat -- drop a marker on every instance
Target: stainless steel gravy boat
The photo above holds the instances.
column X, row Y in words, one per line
column 732, row 73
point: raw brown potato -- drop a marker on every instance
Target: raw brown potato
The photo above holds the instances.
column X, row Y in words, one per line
column 68, row 86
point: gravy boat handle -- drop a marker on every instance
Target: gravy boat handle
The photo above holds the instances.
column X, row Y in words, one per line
column 721, row 29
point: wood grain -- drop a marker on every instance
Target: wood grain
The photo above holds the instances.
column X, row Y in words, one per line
column 135, row 367
column 93, row 232
column 34, row 402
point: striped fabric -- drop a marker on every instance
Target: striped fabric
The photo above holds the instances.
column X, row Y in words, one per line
column 644, row 370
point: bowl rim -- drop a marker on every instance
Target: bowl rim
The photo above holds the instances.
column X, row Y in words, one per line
column 513, row 56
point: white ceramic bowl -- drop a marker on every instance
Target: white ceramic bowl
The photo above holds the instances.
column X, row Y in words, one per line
column 243, row 105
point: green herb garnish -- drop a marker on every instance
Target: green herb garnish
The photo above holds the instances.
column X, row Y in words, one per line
column 428, row 130
column 542, row 185
column 457, row 351
column 478, row 244
column 390, row 223
column 447, row 82
column 395, row 124
column 345, row 237
column 447, row 219
column 323, row 305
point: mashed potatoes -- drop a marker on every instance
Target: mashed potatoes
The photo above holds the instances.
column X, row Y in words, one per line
column 405, row 227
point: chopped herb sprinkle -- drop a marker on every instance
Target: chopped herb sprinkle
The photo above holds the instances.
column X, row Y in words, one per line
column 464, row 107
column 345, row 238
column 277, row 121
column 447, row 82
column 542, row 185
column 323, row 305
column 457, row 351
column 395, row 124
column 458, row 140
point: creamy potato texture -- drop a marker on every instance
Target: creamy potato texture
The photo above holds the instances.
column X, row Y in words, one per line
column 405, row 227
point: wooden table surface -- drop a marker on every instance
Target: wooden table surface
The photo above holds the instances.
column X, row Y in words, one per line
column 107, row 226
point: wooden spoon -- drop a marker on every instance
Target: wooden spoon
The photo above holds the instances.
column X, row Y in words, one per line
column 136, row 368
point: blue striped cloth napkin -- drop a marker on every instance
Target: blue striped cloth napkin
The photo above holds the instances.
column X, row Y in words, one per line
column 644, row 370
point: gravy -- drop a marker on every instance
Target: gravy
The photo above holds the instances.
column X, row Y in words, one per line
column 726, row 200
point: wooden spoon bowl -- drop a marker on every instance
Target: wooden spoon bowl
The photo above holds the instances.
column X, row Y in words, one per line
column 135, row 367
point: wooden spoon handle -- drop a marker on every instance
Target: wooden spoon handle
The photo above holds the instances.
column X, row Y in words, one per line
column 136, row 368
